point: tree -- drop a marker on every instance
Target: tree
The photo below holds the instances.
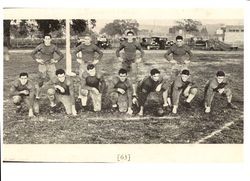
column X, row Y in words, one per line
column 6, row 32
column 189, row 25
column 81, row 26
column 48, row 26
column 118, row 27
column 204, row 31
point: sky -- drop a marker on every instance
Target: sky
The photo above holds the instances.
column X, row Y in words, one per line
column 102, row 22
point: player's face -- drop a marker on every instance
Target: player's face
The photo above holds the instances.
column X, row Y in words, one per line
column 23, row 80
column 130, row 37
column 87, row 40
column 47, row 40
column 61, row 77
column 184, row 77
column 155, row 77
column 92, row 72
column 123, row 77
column 220, row 79
column 179, row 43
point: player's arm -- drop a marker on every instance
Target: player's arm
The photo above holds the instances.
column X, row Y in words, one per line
column 13, row 90
column 59, row 53
column 119, row 49
column 75, row 51
column 32, row 91
column 138, row 47
column 168, row 53
column 35, row 51
column 98, row 50
column 113, row 84
column 190, row 54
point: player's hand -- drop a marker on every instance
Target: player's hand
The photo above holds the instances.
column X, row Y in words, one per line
column 122, row 91
column 130, row 111
column 53, row 61
column 173, row 61
column 186, row 61
column 95, row 62
column 120, row 59
column 40, row 61
column 138, row 60
column 25, row 92
column 158, row 88
column 62, row 90
column 79, row 60
column 221, row 90
column 95, row 90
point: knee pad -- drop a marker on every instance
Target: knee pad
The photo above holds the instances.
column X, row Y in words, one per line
column 84, row 92
column 17, row 99
column 193, row 91
column 51, row 91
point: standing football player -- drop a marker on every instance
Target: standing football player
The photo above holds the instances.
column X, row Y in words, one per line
column 152, row 83
column 23, row 90
column 179, row 55
column 182, row 85
column 88, row 50
column 218, row 84
column 43, row 54
column 61, row 89
column 121, row 93
column 92, row 84
column 129, row 61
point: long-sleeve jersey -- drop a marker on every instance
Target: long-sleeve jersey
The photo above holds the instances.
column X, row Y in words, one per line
column 97, row 81
column 148, row 85
column 179, row 84
column 17, row 87
column 214, row 85
column 88, row 52
column 179, row 53
column 126, row 86
column 130, row 50
column 67, row 85
column 46, row 52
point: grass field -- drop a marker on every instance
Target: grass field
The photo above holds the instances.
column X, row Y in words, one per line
column 188, row 126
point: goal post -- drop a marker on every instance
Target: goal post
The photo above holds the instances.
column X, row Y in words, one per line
column 68, row 53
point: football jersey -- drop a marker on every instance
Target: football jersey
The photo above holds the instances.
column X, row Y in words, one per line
column 130, row 50
column 179, row 53
column 17, row 86
column 46, row 52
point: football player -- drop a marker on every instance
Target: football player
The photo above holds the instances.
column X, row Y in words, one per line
column 23, row 90
column 92, row 84
column 88, row 50
column 43, row 54
column 121, row 92
column 218, row 84
column 61, row 89
column 182, row 85
column 152, row 83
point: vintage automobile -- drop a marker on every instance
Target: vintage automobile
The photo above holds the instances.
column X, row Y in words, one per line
column 103, row 42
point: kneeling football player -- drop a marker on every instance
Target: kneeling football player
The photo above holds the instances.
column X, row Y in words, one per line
column 121, row 93
column 218, row 84
column 62, row 90
column 182, row 85
column 23, row 90
column 92, row 84
column 152, row 83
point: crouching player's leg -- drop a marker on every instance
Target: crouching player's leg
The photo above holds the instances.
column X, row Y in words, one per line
column 83, row 95
column 142, row 97
column 17, row 100
column 67, row 102
column 228, row 93
column 119, row 101
column 97, row 100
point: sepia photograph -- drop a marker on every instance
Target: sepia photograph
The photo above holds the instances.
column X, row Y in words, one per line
column 123, row 80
